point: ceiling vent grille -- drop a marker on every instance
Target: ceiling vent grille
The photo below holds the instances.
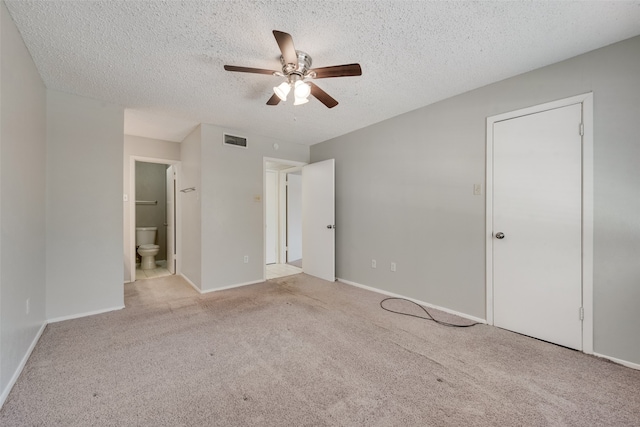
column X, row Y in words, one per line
column 234, row 141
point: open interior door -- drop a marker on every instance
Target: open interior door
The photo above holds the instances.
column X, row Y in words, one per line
column 171, row 219
column 318, row 220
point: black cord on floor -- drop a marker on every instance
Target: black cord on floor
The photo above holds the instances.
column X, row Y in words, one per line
column 439, row 322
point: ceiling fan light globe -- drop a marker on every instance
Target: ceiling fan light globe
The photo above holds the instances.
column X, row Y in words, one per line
column 300, row 101
column 302, row 90
column 282, row 90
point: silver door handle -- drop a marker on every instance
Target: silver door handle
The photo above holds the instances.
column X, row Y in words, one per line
column 499, row 235
column 331, row 226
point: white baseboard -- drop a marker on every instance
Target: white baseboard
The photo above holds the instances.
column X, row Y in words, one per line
column 206, row 291
column 238, row 285
column 90, row 313
column 426, row 304
column 23, row 362
column 619, row 361
column 193, row 285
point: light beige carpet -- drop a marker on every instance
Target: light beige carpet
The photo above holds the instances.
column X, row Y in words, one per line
column 300, row 351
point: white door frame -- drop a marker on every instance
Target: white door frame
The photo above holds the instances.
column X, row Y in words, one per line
column 132, row 211
column 276, row 210
column 587, row 206
column 291, row 163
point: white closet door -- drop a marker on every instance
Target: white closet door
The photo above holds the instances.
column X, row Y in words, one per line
column 537, row 206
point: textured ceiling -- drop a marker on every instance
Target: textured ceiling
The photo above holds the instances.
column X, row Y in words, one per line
column 164, row 59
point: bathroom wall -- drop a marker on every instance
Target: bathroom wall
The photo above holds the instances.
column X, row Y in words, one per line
column 151, row 185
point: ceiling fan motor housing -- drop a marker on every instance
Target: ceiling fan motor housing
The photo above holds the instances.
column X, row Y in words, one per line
column 301, row 68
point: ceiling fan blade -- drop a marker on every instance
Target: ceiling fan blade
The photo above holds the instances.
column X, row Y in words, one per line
column 322, row 96
column 249, row 70
column 338, row 71
column 285, row 42
column 274, row 100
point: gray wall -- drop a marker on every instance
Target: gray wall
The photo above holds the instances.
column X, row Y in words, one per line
column 84, row 205
column 191, row 224
column 151, row 185
column 232, row 218
column 22, row 204
column 404, row 190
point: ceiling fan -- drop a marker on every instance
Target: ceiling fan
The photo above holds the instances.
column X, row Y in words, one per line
column 296, row 67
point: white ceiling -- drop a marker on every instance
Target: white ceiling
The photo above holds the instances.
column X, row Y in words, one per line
column 163, row 60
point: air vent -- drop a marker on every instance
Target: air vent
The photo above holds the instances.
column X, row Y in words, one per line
column 235, row 141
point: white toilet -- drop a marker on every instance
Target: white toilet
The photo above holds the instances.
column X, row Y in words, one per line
column 147, row 249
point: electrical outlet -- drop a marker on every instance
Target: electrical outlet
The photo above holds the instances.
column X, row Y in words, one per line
column 246, row 259
column 393, row 266
column 477, row 189
column 27, row 307
column 373, row 263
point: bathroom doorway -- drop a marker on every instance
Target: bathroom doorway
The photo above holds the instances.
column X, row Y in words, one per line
column 154, row 212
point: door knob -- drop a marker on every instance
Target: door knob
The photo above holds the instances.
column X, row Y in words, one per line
column 499, row 235
column 331, row 226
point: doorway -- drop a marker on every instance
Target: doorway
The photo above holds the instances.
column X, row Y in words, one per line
column 283, row 219
column 539, row 222
column 317, row 216
column 154, row 215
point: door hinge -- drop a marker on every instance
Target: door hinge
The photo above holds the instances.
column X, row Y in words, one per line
column 581, row 313
column 581, row 129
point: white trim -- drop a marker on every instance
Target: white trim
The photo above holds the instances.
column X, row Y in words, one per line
column 132, row 211
column 426, row 304
column 587, row 224
column 276, row 189
column 619, row 361
column 282, row 217
column 190, row 282
column 587, row 206
column 488, row 229
column 238, row 285
column 23, row 362
column 79, row 315
column 206, row 291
